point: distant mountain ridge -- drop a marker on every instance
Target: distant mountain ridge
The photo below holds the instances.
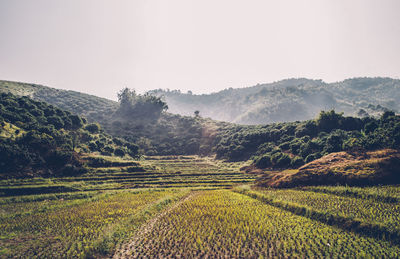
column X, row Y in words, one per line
column 289, row 100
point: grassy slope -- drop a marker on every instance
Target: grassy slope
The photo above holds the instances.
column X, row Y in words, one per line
column 359, row 168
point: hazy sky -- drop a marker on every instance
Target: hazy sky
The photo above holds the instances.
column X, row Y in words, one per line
column 101, row 46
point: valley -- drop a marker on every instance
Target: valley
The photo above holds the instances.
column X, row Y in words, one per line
column 86, row 177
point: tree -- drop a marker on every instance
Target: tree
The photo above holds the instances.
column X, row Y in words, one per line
column 134, row 105
column 362, row 113
column 77, row 122
column 126, row 98
column 196, row 113
column 330, row 120
column 119, row 152
column 93, row 128
column 56, row 121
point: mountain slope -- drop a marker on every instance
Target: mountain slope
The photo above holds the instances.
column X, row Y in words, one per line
column 168, row 134
column 172, row 134
column 38, row 139
column 92, row 107
column 289, row 100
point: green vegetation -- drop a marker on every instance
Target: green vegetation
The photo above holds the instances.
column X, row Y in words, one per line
column 346, row 168
column 289, row 100
column 289, row 145
column 365, row 217
column 180, row 206
column 377, row 193
column 40, row 139
column 226, row 224
column 142, row 119
column 91, row 214
column 78, row 227
column 86, row 197
column 365, row 210
column 134, row 106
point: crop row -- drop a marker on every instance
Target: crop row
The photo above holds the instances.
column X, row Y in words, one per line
column 377, row 193
column 370, row 229
column 222, row 223
column 365, row 210
column 88, row 227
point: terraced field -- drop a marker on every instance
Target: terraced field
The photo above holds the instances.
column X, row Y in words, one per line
column 189, row 206
column 154, row 172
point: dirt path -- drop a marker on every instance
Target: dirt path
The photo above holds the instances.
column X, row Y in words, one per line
column 125, row 250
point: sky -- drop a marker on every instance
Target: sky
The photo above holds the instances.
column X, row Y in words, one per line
column 102, row 46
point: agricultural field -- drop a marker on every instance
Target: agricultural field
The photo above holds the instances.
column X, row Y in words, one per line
column 190, row 206
column 222, row 223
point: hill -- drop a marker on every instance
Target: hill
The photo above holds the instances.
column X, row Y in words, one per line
column 167, row 134
column 289, row 100
column 38, row 139
column 278, row 145
column 89, row 106
column 344, row 168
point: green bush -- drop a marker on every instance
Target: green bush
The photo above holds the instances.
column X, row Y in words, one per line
column 263, row 161
column 297, row 162
column 119, row 152
column 310, row 158
column 93, row 128
column 283, row 161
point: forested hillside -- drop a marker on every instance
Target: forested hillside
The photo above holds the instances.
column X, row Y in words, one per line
column 291, row 144
column 39, row 139
column 143, row 119
column 289, row 100
column 156, row 132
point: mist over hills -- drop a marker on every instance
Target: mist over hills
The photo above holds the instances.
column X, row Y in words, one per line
column 289, row 100
column 142, row 120
column 283, row 101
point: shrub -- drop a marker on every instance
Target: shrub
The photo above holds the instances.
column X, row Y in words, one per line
column 284, row 146
column 59, row 158
column 283, row 161
column 56, row 121
column 100, row 144
column 297, row 161
column 109, row 149
column 133, row 149
column 119, row 152
column 93, row 146
column 93, row 128
column 71, row 170
column 263, row 161
column 76, row 121
column 310, row 158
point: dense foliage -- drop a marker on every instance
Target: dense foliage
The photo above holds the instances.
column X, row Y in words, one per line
column 292, row 144
column 40, row 139
column 141, row 119
column 135, row 106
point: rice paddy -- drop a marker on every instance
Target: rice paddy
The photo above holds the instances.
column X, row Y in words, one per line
column 188, row 206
